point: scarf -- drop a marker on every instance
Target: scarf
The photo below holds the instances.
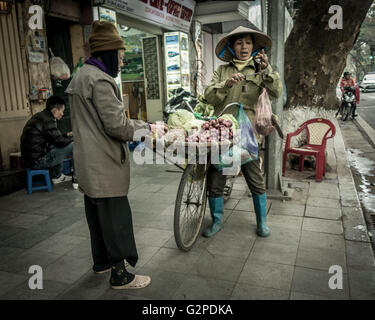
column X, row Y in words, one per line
column 97, row 63
column 241, row 64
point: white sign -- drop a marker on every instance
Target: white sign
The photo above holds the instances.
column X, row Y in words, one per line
column 107, row 15
column 177, row 60
column 171, row 14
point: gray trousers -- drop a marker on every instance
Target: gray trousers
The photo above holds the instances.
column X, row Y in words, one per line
column 251, row 171
column 54, row 159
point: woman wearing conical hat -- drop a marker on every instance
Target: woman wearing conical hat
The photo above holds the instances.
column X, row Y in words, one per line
column 241, row 80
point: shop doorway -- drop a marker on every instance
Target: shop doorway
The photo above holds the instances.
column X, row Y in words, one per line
column 141, row 73
column 59, row 41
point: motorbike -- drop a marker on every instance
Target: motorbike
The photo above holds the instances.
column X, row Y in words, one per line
column 179, row 99
column 348, row 103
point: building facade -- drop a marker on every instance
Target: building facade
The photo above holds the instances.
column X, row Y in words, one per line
column 169, row 44
column 29, row 37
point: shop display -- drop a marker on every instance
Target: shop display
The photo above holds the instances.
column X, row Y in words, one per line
column 133, row 69
column 177, row 60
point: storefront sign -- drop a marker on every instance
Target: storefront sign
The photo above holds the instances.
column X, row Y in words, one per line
column 107, row 15
column 34, row 56
column 170, row 14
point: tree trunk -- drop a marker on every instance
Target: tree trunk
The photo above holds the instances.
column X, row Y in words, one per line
column 315, row 55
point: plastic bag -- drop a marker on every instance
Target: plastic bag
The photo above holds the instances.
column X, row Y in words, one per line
column 263, row 116
column 59, row 69
column 245, row 148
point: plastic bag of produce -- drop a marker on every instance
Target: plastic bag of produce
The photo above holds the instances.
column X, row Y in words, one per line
column 245, row 149
column 263, row 115
column 59, row 69
column 180, row 118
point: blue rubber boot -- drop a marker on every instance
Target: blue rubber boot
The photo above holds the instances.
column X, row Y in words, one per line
column 217, row 212
column 260, row 206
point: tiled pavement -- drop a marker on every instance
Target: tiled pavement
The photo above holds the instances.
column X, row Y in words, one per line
column 310, row 233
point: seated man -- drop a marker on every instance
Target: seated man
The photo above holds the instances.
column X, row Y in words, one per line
column 43, row 145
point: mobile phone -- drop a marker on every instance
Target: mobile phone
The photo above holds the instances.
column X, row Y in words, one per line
column 255, row 52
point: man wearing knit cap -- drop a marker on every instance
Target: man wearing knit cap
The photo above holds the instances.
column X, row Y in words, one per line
column 101, row 156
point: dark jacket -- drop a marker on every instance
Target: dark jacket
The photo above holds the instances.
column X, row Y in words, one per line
column 39, row 135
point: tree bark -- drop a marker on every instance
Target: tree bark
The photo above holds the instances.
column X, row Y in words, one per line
column 315, row 55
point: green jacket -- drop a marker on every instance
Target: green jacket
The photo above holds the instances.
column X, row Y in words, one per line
column 219, row 95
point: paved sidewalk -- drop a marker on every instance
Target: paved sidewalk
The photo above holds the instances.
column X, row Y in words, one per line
column 318, row 228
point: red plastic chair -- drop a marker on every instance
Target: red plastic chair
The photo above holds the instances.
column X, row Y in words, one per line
column 318, row 132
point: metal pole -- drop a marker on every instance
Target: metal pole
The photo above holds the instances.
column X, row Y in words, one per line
column 276, row 30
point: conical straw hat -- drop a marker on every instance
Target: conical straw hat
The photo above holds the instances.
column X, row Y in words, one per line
column 260, row 40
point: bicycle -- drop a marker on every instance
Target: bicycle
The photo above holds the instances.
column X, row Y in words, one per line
column 191, row 200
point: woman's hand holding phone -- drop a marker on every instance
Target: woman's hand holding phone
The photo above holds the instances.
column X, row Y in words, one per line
column 262, row 59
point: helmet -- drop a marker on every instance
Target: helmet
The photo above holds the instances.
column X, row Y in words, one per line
column 346, row 73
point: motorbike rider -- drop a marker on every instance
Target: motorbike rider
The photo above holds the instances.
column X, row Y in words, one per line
column 347, row 81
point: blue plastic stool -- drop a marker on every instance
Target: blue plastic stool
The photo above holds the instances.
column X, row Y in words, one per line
column 38, row 185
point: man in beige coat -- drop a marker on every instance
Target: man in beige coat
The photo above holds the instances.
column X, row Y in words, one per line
column 101, row 156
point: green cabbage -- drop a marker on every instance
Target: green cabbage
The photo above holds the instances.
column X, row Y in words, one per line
column 180, row 119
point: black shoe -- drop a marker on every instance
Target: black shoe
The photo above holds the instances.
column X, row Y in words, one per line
column 354, row 115
column 120, row 276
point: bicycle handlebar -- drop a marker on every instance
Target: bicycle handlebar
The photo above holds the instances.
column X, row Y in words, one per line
column 227, row 106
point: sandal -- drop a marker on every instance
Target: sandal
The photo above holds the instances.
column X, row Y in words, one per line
column 138, row 282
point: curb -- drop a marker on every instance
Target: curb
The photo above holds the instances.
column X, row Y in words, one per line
column 355, row 227
column 367, row 128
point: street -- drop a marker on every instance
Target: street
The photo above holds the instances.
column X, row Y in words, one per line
column 317, row 229
column 361, row 155
column 366, row 107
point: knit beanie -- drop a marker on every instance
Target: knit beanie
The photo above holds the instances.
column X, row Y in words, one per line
column 104, row 37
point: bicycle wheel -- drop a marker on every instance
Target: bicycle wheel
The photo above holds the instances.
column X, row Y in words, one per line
column 190, row 206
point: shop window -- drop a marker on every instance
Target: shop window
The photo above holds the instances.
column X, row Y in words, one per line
column 133, row 69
